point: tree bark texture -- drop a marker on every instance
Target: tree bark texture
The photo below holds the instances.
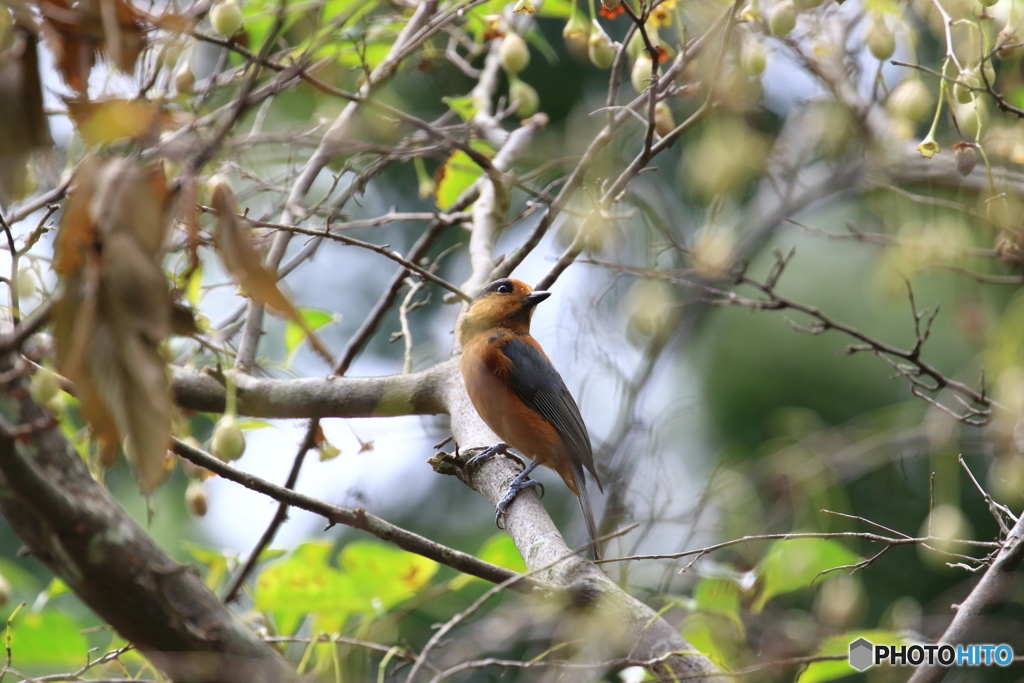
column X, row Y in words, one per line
column 73, row 525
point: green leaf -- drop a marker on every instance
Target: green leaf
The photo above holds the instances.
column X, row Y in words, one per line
column 558, row 9
column 56, row 587
column 1016, row 96
column 315, row 319
column 373, row 53
column 373, row 578
column 215, row 562
column 260, row 16
column 249, row 424
column 820, row 672
column 269, row 554
column 304, row 584
column 457, row 175
column 500, row 550
column 714, row 636
column 794, row 564
column 336, row 8
column 385, row 575
column 719, row 596
column 21, row 580
column 465, row 107
column 48, row 637
column 193, row 290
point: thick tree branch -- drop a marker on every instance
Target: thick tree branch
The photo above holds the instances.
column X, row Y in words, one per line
column 413, row 394
column 72, row 524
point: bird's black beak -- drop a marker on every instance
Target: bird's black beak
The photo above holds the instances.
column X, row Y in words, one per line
column 534, row 298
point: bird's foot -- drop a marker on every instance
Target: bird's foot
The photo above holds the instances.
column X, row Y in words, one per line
column 500, row 447
column 522, row 481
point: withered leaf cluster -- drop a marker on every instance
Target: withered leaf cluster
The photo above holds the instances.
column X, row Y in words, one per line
column 78, row 32
column 116, row 308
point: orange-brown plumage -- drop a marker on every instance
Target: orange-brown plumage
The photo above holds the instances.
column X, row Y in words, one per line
column 517, row 390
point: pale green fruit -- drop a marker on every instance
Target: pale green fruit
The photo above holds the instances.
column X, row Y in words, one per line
column 783, row 18
column 963, row 94
column 28, row 285
column 172, row 53
column 600, row 48
column 971, row 117
column 577, row 34
column 753, row 57
column 527, row 98
column 226, row 17
column 513, row 54
column 228, row 442
column 636, row 46
column 880, row 39
column 6, row 591
column 640, row 76
column 664, row 123
column 44, row 386
column 911, row 100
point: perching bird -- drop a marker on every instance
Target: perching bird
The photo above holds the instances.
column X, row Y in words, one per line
column 519, row 394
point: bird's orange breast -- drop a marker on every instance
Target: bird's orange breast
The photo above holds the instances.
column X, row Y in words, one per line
column 484, row 368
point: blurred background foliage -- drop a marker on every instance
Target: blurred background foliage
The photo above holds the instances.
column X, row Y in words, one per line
column 711, row 422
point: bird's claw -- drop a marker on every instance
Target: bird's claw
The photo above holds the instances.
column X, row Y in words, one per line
column 522, row 481
column 500, row 447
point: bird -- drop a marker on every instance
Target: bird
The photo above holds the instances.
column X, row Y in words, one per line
column 519, row 394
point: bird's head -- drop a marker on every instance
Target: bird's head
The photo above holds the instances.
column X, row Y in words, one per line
column 504, row 303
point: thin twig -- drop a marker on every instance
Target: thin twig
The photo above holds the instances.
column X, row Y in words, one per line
column 360, row 519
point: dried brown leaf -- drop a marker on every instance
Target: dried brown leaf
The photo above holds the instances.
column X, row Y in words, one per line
column 243, row 261
column 80, row 31
column 23, row 125
column 77, row 237
column 189, row 215
column 133, row 201
column 74, row 37
column 241, row 258
column 115, row 309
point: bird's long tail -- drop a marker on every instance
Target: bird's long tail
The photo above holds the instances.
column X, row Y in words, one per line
column 588, row 514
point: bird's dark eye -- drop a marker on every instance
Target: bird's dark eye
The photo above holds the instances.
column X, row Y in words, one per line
column 505, row 288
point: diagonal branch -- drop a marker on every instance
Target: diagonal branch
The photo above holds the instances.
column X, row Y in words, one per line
column 993, row 585
column 359, row 519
